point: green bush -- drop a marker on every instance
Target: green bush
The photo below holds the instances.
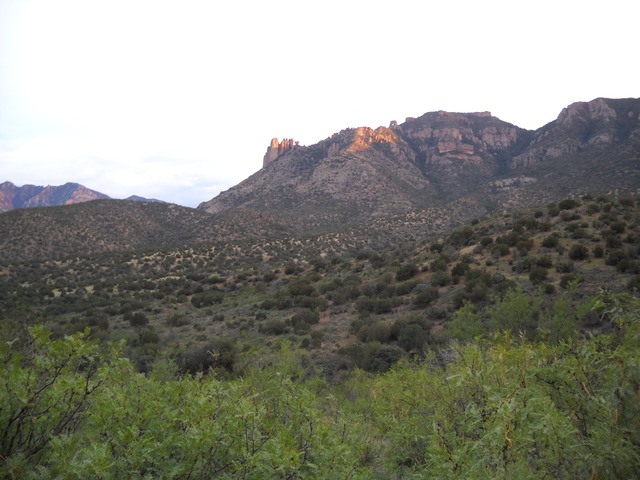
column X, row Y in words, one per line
column 551, row 241
column 500, row 250
column 406, row 271
column 578, row 252
column 206, row 299
column 537, row 274
column 568, row 204
column 425, row 296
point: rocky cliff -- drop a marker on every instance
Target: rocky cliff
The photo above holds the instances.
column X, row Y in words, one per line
column 441, row 159
column 580, row 126
column 276, row 149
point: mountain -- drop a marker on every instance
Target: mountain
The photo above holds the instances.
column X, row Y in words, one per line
column 137, row 198
column 362, row 187
column 12, row 196
column 472, row 163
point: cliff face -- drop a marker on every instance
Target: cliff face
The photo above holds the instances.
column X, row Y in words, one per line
column 461, row 151
column 580, row 126
column 441, row 159
column 276, row 149
column 27, row 196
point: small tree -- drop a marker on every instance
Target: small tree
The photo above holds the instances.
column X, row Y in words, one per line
column 139, row 322
column 578, row 252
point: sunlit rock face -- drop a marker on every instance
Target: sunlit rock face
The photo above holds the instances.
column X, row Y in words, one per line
column 276, row 149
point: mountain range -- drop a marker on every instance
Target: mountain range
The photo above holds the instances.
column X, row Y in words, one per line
column 424, row 176
column 29, row 196
column 468, row 163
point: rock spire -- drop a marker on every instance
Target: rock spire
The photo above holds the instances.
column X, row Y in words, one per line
column 276, row 149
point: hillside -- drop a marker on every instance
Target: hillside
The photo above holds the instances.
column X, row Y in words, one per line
column 99, row 226
column 473, row 162
column 341, row 296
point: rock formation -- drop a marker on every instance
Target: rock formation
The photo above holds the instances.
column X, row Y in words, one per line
column 581, row 125
column 276, row 149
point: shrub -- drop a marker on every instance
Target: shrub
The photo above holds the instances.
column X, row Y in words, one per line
column 275, row 326
column 537, row 274
column 440, row 264
column 486, row 241
column 305, row 316
column 407, row 287
column 615, row 257
column 220, row 353
column 551, row 241
column 425, row 296
column 376, row 332
column 567, row 204
column 382, row 358
column 412, row 338
column 206, row 299
column 567, row 280
column 406, row 271
column 440, row 279
column 578, row 252
column 374, row 305
column 565, row 267
column 634, row 284
column 500, row 249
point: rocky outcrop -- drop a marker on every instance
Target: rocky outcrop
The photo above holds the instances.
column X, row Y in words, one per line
column 444, row 138
column 276, row 149
column 579, row 126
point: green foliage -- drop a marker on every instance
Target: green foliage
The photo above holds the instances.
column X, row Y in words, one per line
column 560, row 322
column 565, row 407
column 578, row 252
column 500, row 249
column 537, row 274
column 551, row 241
column 568, row 204
column 46, row 390
column 516, row 313
column 467, row 323
column 425, row 296
column 406, row 271
column 206, row 299
column 375, row 305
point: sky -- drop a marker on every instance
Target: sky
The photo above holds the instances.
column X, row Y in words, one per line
column 179, row 99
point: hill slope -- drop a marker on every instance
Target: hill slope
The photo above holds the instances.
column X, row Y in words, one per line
column 116, row 225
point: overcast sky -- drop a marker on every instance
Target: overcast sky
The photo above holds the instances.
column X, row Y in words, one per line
column 178, row 100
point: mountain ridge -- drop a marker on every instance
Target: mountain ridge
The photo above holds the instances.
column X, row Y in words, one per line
column 442, row 158
column 31, row 196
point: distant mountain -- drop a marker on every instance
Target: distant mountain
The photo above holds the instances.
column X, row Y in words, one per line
column 136, row 198
column 29, row 196
column 12, row 196
column 468, row 163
